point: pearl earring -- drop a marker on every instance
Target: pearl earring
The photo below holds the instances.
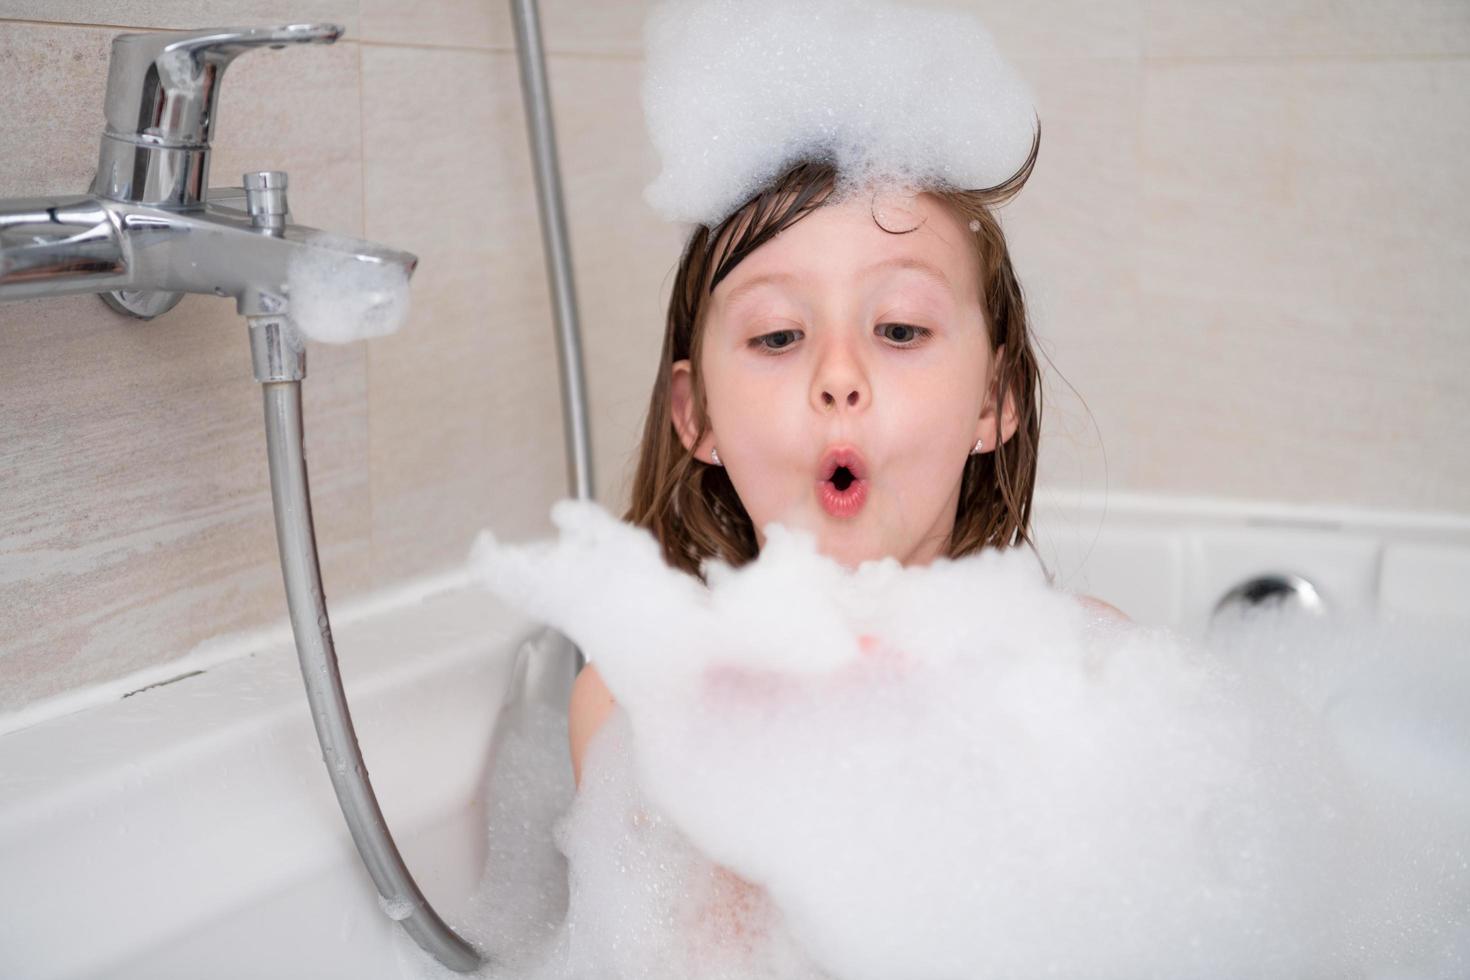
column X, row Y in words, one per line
column 714, row 455
column 979, row 444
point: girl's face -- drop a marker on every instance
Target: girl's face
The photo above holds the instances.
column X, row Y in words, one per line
column 837, row 335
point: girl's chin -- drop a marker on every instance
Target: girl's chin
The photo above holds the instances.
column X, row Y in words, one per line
column 849, row 553
column 846, row 541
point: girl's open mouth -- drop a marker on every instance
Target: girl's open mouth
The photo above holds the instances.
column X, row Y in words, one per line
column 842, row 485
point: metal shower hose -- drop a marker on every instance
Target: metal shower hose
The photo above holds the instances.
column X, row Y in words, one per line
column 280, row 367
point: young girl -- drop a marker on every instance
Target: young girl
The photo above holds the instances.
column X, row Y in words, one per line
column 859, row 368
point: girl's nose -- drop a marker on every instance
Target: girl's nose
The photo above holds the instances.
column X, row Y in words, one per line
column 852, row 399
column 840, row 384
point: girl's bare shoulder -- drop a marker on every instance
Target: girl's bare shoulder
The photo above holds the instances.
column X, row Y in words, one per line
column 1103, row 607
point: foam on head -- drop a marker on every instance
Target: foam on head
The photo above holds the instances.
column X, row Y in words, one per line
column 736, row 90
column 954, row 770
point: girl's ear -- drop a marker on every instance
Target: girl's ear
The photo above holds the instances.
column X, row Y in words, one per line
column 992, row 431
column 681, row 402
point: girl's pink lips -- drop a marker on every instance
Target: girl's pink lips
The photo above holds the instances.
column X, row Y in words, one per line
column 842, row 456
column 842, row 503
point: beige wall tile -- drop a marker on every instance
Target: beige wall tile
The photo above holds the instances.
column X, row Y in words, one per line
column 1303, row 266
column 625, row 253
column 1039, row 29
column 466, row 423
column 135, row 514
column 586, row 26
column 137, row 519
column 1060, row 28
column 62, row 73
column 447, row 23
column 567, row 26
column 1305, row 28
column 1074, row 235
column 184, row 14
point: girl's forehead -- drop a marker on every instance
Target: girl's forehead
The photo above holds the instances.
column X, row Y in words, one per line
column 847, row 242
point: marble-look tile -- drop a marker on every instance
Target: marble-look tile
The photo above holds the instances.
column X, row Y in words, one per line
column 137, row 516
column 625, row 254
column 1303, row 265
column 444, row 23
column 184, row 14
column 586, row 27
column 60, row 75
column 1254, row 29
column 466, row 419
column 1066, row 29
column 135, row 512
column 1074, row 235
column 567, row 26
column 1041, row 29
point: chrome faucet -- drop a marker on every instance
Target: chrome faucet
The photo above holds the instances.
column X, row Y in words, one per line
column 149, row 231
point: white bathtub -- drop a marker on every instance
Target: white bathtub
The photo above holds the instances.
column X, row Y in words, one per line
column 1167, row 561
column 190, row 830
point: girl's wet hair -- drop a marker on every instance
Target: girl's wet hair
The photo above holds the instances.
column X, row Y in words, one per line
column 692, row 508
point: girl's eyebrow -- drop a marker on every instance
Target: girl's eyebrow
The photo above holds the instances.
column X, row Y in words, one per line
column 765, row 278
column 927, row 271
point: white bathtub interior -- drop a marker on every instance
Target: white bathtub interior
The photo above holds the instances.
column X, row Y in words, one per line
column 1168, row 561
column 189, row 829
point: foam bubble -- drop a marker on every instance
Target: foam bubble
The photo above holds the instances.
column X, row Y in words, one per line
column 338, row 295
column 956, row 771
column 396, row 909
column 735, row 90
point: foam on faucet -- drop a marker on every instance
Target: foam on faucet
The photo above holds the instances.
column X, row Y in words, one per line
column 338, row 296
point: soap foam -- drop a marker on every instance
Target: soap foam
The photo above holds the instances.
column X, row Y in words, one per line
column 736, row 90
column 338, row 295
column 396, row 909
column 955, row 771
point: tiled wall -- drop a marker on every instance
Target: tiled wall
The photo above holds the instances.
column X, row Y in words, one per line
column 1245, row 245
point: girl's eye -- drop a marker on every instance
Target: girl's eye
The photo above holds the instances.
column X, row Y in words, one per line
column 759, row 342
column 906, row 333
column 906, row 336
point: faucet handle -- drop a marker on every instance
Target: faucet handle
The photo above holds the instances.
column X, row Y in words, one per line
column 160, row 107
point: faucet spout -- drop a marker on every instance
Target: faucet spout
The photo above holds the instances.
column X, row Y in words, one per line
column 224, row 250
column 89, row 244
column 50, row 247
column 148, row 231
